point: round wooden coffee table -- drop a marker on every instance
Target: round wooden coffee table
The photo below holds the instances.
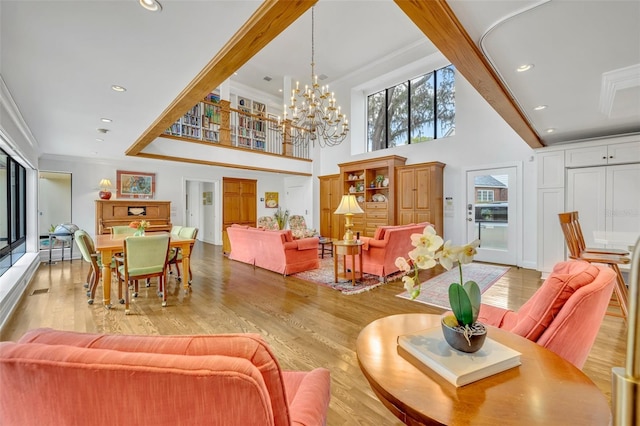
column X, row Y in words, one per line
column 544, row 390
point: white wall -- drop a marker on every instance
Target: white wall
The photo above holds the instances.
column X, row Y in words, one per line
column 170, row 178
column 482, row 139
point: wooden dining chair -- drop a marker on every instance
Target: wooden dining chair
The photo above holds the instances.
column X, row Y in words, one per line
column 89, row 254
column 175, row 256
column 612, row 257
column 144, row 257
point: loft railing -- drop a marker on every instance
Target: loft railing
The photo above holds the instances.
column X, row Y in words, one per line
column 219, row 124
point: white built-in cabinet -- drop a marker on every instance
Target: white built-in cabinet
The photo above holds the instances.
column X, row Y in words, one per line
column 599, row 179
column 607, row 198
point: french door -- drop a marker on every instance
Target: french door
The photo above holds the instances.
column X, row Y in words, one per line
column 491, row 214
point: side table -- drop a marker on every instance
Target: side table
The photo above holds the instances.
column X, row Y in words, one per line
column 325, row 243
column 353, row 249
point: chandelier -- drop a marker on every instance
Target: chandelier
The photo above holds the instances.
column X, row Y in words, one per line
column 315, row 117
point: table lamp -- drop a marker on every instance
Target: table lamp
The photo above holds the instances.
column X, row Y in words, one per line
column 105, row 194
column 348, row 207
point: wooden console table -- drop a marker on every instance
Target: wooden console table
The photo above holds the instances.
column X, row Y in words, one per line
column 544, row 390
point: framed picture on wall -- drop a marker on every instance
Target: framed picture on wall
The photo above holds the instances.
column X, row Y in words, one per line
column 135, row 184
column 271, row 200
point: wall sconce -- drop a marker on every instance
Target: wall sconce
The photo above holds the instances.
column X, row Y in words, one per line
column 105, row 194
column 348, row 207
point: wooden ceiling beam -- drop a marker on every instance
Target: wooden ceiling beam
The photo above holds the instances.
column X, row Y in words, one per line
column 268, row 21
column 438, row 22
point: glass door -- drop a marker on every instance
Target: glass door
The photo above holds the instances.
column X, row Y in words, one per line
column 491, row 214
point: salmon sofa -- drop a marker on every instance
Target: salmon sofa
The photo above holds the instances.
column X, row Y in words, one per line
column 66, row 378
column 379, row 253
column 276, row 251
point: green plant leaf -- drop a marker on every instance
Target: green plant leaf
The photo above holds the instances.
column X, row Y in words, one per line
column 473, row 291
column 460, row 304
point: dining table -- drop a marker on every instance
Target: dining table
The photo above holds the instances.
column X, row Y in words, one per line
column 108, row 245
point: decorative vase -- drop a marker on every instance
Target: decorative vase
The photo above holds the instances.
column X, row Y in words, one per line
column 105, row 195
column 139, row 233
column 455, row 337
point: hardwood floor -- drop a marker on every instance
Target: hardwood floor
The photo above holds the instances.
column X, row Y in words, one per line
column 307, row 325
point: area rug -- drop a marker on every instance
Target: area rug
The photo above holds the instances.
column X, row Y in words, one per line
column 435, row 292
column 324, row 276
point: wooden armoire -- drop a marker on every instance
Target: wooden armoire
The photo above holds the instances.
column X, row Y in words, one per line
column 239, row 205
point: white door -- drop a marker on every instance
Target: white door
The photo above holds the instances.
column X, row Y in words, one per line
column 492, row 214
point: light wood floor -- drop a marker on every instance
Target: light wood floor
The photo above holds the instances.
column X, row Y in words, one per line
column 307, row 325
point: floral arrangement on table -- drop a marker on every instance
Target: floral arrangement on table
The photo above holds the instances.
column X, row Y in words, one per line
column 139, row 226
column 464, row 298
column 282, row 217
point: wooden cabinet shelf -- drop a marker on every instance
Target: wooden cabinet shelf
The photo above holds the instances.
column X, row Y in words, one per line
column 378, row 202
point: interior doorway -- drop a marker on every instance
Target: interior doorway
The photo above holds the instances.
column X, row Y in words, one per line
column 54, row 203
column 202, row 209
column 492, row 214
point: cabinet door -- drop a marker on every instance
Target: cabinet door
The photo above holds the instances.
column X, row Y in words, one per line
column 622, row 199
column 406, row 196
column 586, row 156
column 624, row 153
column 586, row 192
column 551, row 169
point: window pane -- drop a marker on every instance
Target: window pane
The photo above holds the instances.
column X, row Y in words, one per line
column 376, row 122
column 446, row 102
column 398, row 115
column 422, row 116
column 4, row 223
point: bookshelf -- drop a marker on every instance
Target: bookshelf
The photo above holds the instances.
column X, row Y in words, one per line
column 248, row 123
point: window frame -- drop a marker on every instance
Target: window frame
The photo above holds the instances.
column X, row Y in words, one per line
column 16, row 213
column 371, row 144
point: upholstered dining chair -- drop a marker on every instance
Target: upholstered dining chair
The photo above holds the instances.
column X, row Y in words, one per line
column 611, row 257
column 144, row 257
column 122, row 230
column 268, row 222
column 175, row 256
column 565, row 313
column 89, row 254
column 299, row 228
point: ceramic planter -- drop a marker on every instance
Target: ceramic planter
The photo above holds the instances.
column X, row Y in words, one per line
column 454, row 336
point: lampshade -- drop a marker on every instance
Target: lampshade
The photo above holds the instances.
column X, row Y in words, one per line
column 348, row 205
column 105, row 183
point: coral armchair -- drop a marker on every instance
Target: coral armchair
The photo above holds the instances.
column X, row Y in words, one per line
column 565, row 314
column 299, row 228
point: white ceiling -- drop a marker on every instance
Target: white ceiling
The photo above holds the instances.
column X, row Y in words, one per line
column 60, row 58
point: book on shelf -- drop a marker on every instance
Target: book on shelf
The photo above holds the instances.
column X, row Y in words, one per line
column 427, row 348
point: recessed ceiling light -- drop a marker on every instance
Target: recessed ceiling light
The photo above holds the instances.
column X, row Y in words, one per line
column 280, row 90
column 99, row 140
column 551, row 130
column 523, row 68
column 103, row 130
column 118, row 88
column 106, row 120
column 152, row 5
column 539, row 107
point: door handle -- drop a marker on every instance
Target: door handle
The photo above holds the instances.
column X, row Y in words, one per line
column 470, row 219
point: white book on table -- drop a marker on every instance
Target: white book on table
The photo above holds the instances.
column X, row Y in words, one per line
column 429, row 348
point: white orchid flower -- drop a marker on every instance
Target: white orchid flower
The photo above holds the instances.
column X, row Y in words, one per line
column 423, row 258
column 448, row 255
column 467, row 252
column 428, row 239
column 402, row 264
